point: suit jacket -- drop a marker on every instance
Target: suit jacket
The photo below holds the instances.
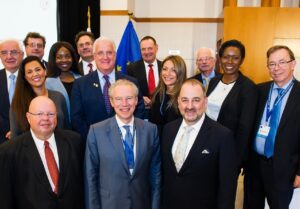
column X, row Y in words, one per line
column 138, row 71
column 108, row 182
column 238, row 112
column 286, row 158
column 199, row 76
column 80, row 68
column 23, row 180
column 87, row 102
column 4, row 106
column 207, row 179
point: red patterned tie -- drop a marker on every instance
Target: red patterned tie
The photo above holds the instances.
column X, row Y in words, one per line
column 52, row 166
column 91, row 67
column 151, row 80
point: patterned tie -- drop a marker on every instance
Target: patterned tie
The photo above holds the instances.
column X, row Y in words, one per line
column 180, row 152
column 52, row 166
column 128, row 144
column 151, row 80
column 90, row 65
column 206, row 83
column 105, row 94
column 12, row 87
column 274, row 122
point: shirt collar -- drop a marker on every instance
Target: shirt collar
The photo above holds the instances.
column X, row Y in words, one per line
column 40, row 143
column 121, row 123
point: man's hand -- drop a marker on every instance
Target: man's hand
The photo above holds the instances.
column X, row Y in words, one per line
column 8, row 135
column 147, row 102
column 297, row 182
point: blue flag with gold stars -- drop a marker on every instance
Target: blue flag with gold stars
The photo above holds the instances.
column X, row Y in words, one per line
column 129, row 48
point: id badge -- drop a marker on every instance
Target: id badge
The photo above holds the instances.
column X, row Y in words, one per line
column 263, row 131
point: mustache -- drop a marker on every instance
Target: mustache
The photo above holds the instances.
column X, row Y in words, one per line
column 189, row 110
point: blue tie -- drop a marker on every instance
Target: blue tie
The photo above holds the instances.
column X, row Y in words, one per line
column 128, row 144
column 12, row 86
column 274, row 122
column 105, row 94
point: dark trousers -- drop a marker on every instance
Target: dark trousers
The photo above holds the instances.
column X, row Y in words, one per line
column 259, row 183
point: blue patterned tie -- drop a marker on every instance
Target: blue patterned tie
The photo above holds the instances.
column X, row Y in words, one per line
column 128, row 144
column 105, row 94
column 12, row 86
column 274, row 122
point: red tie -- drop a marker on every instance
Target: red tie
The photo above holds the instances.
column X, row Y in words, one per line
column 91, row 67
column 151, row 80
column 52, row 166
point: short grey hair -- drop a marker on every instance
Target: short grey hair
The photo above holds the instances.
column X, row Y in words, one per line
column 212, row 52
column 103, row 38
column 20, row 44
column 122, row 82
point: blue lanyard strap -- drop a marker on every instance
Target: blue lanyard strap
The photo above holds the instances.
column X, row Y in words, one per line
column 125, row 144
column 277, row 100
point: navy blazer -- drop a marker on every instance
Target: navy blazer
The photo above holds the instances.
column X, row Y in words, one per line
column 138, row 71
column 238, row 112
column 207, row 178
column 108, row 182
column 87, row 102
column 286, row 158
column 199, row 76
column 4, row 106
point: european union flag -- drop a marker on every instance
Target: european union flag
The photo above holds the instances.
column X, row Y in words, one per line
column 129, row 48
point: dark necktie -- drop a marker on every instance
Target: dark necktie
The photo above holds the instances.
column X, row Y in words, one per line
column 105, row 94
column 90, row 65
column 52, row 166
column 274, row 122
column 128, row 144
column 151, row 80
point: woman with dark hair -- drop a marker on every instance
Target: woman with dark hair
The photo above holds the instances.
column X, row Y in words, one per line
column 232, row 97
column 62, row 69
column 164, row 101
column 31, row 83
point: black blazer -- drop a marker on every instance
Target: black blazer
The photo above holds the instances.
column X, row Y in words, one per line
column 286, row 158
column 4, row 106
column 138, row 71
column 238, row 112
column 207, row 179
column 24, row 184
column 80, row 68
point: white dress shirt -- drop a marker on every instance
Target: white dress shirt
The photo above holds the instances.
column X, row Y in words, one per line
column 86, row 68
column 41, row 149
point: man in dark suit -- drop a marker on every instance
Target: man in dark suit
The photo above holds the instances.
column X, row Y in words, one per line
column 35, row 46
column 42, row 168
column 198, row 158
column 122, row 160
column 11, row 54
column 205, row 62
column 84, row 42
column 89, row 100
column 274, row 164
column 140, row 69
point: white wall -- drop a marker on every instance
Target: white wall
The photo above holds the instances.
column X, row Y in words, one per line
column 36, row 15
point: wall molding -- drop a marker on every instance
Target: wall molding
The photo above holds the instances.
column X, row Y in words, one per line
column 161, row 19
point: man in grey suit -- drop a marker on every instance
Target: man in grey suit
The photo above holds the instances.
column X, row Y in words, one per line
column 122, row 160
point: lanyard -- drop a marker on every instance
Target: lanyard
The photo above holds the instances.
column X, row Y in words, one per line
column 277, row 100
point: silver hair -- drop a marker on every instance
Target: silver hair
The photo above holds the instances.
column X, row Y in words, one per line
column 212, row 52
column 122, row 82
column 103, row 38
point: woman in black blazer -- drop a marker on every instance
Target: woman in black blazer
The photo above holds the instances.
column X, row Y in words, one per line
column 232, row 97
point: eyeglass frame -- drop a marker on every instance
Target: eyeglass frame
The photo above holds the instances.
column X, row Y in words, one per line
column 281, row 64
column 41, row 114
column 204, row 59
column 12, row 53
column 36, row 45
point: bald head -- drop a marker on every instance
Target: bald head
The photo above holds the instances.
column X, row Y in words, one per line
column 41, row 117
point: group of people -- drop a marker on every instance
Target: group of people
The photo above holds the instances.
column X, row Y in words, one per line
column 150, row 139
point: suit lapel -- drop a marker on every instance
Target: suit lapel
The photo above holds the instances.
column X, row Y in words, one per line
column 36, row 162
column 290, row 104
column 198, row 145
column 114, row 136
column 64, row 152
column 4, row 90
column 141, row 145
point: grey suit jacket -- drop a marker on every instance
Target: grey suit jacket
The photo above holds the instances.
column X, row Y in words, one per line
column 108, row 182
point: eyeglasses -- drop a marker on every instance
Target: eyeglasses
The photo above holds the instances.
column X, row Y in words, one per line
column 86, row 44
column 36, row 45
column 281, row 64
column 42, row 114
column 204, row 59
column 119, row 100
column 12, row 53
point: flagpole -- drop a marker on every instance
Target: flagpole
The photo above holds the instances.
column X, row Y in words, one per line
column 130, row 14
column 89, row 20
